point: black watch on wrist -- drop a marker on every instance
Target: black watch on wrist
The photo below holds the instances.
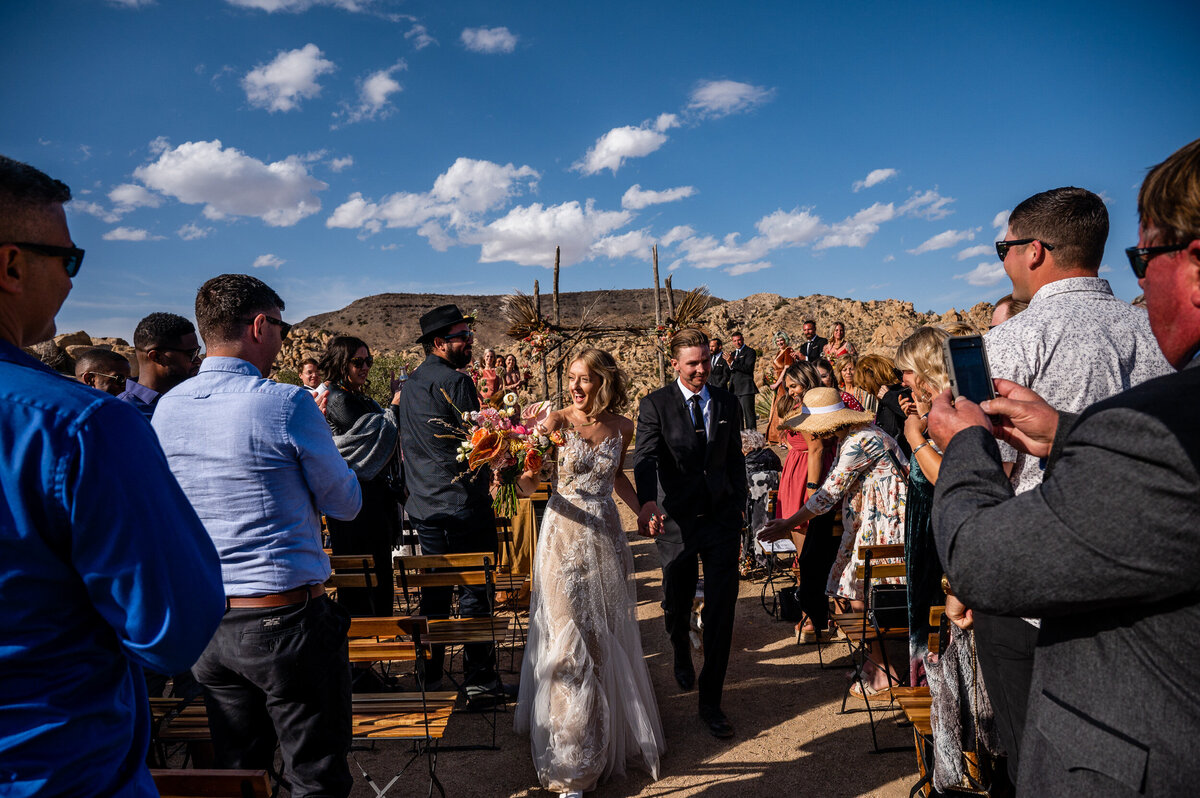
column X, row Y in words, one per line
column 812, row 486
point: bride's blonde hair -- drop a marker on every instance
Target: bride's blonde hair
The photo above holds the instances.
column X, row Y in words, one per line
column 613, row 395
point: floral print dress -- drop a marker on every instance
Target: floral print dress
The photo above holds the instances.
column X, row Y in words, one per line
column 872, row 491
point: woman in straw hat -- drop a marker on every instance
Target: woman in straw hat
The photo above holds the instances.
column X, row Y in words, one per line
column 869, row 477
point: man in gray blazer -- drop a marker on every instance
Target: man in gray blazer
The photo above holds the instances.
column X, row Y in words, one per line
column 1106, row 549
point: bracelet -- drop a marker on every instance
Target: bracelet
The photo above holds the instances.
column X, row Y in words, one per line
column 812, row 486
column 919, row 448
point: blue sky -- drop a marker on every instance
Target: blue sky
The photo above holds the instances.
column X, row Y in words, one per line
column 340, row 148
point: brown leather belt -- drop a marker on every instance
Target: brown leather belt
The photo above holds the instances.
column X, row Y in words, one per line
column 285, row 599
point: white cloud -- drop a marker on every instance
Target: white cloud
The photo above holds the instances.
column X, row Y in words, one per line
column 297, row 6
column 975, row 252
column 129, row 234
column 268, row 261
column 290, row 77
column 707, row 252
column 374, row 92
column 889, row 259
column 191, row 232
column 1105, row 269
column 339, row 164
column 637, row 243
column 613, row 148
column 420, row 36
column 874, row 178
column 927, row 205
column 857, row 230
column 159, row 145
column 131, row 3
column 988, row 273
column 789, row 229
column 489, row 40
column 1000, row 222
column 469, row 187
column 230, row 183
column 527, row 235
column 945, row 240
column 128, row 196
column 636, row 198
column 95, row 209
column 747, row 268
column 677, row 233
column 714, row 98
column 665, row 122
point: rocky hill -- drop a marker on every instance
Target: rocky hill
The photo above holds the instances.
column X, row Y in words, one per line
column 389, row 323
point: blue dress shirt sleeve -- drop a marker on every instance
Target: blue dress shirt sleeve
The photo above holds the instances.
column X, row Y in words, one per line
column 146, row 561
column 334, row 487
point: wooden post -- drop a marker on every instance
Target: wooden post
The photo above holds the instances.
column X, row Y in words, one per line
column 558, row 370
column 658, row 319
column 670, row 297
column 537, row 309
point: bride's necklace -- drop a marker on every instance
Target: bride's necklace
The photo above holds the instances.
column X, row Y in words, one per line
column 591, row 423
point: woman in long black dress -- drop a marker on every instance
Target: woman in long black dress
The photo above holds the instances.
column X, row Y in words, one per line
column 367, row 436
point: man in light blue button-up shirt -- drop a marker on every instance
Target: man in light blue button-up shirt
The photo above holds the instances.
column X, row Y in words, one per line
column 258, row 463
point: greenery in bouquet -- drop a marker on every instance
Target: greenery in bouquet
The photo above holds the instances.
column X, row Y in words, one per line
column 508, row 442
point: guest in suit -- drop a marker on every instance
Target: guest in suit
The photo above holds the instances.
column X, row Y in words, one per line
column 691, row 481
column 1104, row 549
column 812, row 346
column 741, row 378
column 720, row 369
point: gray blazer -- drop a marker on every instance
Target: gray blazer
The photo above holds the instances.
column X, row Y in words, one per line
column 1107, row 552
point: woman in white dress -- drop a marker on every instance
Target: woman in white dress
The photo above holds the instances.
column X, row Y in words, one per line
column 586, row 698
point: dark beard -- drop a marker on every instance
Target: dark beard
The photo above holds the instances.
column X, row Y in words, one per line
column 458, row 358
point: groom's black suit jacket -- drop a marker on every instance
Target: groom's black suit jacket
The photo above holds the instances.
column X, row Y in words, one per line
column 702, row 491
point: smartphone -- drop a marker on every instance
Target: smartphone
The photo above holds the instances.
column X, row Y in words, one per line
column 967, row 367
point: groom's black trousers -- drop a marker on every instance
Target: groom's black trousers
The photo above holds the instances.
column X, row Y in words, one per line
column 717, row 548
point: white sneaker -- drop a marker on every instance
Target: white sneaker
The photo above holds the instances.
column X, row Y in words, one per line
column 571, row 794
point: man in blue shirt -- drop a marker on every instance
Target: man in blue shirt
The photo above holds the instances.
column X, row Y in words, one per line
column 259, row 465
column 167, row 352
column 105, row 566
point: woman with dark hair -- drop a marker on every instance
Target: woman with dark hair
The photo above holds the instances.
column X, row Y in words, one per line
column 488, row 381
column 513, row 380
column 829, row 380
column 368, row 437
column 808, row 461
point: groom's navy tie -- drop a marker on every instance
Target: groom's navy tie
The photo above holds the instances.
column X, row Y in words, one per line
column 698, row 420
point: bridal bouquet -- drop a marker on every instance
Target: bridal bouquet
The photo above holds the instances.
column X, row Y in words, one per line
column 509, row 442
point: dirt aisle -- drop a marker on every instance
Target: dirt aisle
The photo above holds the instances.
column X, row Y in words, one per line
column 791, row 739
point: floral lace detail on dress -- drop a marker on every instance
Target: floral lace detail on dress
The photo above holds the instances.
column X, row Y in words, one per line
column 587, row 470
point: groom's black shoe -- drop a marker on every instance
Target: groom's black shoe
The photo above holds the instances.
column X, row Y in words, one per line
column 718, row 724
column 685, row 674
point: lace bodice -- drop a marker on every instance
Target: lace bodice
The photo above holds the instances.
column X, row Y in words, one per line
column 585, row 470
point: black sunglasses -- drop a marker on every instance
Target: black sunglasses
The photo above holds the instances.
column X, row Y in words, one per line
column 1140, row 257
column 463, row 334
column 72, row 256
column 1002, row 247
column 284, row 327
column 359, row 362
column 193, row 353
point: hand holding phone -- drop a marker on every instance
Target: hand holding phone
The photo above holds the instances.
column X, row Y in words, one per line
column 967, row 368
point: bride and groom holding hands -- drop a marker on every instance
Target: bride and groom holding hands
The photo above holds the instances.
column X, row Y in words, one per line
column 586, row 698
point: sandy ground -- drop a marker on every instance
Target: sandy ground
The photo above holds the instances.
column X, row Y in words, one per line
column 790, row 736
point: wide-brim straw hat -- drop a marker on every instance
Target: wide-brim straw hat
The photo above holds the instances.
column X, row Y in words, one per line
column 822, row 411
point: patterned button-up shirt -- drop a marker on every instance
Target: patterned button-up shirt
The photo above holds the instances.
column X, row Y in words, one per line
column 1074, row 345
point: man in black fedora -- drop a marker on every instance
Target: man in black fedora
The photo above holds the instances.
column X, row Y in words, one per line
column 451, row 511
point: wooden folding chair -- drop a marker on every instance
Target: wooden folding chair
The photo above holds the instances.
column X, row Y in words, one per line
column 354, row 571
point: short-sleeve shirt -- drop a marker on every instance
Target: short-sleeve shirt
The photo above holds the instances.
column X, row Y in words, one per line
column 1074, row 345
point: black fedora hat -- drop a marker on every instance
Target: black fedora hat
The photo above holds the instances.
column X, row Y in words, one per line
column 440, row 319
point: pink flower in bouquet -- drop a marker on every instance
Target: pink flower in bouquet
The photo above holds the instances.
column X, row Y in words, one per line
column 536, row 414
column 520, row 429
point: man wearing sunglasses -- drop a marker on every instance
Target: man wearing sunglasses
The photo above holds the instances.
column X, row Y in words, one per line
column 450, row 509
column 168, row 353
column 105, row 568
column 1075, row 344
column 103, row 369
column 1105, row 548
column 256, row 460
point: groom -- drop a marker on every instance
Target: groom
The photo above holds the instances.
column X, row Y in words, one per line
column 691, row 481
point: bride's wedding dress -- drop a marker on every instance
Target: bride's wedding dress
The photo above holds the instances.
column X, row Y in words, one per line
column 586, row 698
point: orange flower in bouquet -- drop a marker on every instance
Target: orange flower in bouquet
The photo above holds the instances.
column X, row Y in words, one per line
column 485, row 447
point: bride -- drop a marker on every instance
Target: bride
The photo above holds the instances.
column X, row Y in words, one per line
column 586, row 698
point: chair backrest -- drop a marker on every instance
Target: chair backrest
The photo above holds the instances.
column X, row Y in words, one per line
column 376, row 639
column 211, row 783
column 443, row 570
column 935, row 620
column 352, row 570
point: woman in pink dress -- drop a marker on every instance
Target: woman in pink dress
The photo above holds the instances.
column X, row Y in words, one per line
column 808, row 460
column 783, row 358
column 489, row 381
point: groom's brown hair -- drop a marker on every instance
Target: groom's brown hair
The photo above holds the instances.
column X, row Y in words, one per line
column 687, row 337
